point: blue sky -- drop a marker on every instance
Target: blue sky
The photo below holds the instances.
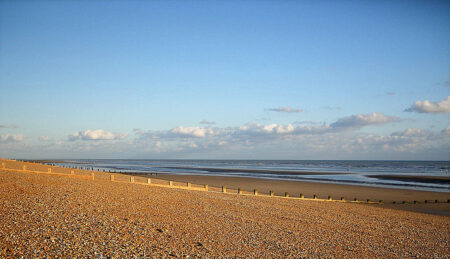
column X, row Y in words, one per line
column 215, row 80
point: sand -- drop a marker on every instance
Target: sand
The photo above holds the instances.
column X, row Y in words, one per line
column 58, row 216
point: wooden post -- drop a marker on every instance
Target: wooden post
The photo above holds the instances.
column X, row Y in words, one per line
column 149, row 181
column 131, row 179
column 302, row 196
column 24, row 167
column 49, row 169
column 93, row 176
column 170, row 183
column 224, row 189
column 188, row 185
column 286, row 194
column 111, row 177
column 255, row 192
column 270, row 193
column 206, row 187
column 239, row 190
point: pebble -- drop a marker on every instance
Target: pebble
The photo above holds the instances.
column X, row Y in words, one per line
column 52, row 216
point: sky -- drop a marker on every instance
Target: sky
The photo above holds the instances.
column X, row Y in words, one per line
column 225, row 80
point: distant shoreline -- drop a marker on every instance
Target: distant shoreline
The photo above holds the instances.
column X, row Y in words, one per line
column 243, row 170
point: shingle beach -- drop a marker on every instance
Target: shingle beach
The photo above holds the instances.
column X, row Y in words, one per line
column 55, row 216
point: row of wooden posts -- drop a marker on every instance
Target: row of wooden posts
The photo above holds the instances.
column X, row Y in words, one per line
column 88, row 168
column 239, row 190
column 271, row 193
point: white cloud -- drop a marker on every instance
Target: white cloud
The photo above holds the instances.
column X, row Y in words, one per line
column 10, row 138
column 431, row 107
column 258, row 129
column 361, row 120
column 98, row 134
column 192, row 131
column 285, row 109
column 206, row 122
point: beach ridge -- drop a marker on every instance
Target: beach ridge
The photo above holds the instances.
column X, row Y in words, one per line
column 87, row 174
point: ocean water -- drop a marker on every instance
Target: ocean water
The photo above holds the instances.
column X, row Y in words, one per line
column 345, row 172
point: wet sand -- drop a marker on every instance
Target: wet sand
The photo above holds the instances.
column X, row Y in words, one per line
column 241, row 170
column 323, row 190
column 415, row 178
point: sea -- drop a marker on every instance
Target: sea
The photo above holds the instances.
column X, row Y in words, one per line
column 338, row 171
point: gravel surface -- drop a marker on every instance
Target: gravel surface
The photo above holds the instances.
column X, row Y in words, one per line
column 56, row 216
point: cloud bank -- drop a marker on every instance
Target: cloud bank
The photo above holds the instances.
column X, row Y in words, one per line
column 302, row 140
column 98, row 134
column 431, row 107
column 289, row 142
column 251, row 130
column 253, row 136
